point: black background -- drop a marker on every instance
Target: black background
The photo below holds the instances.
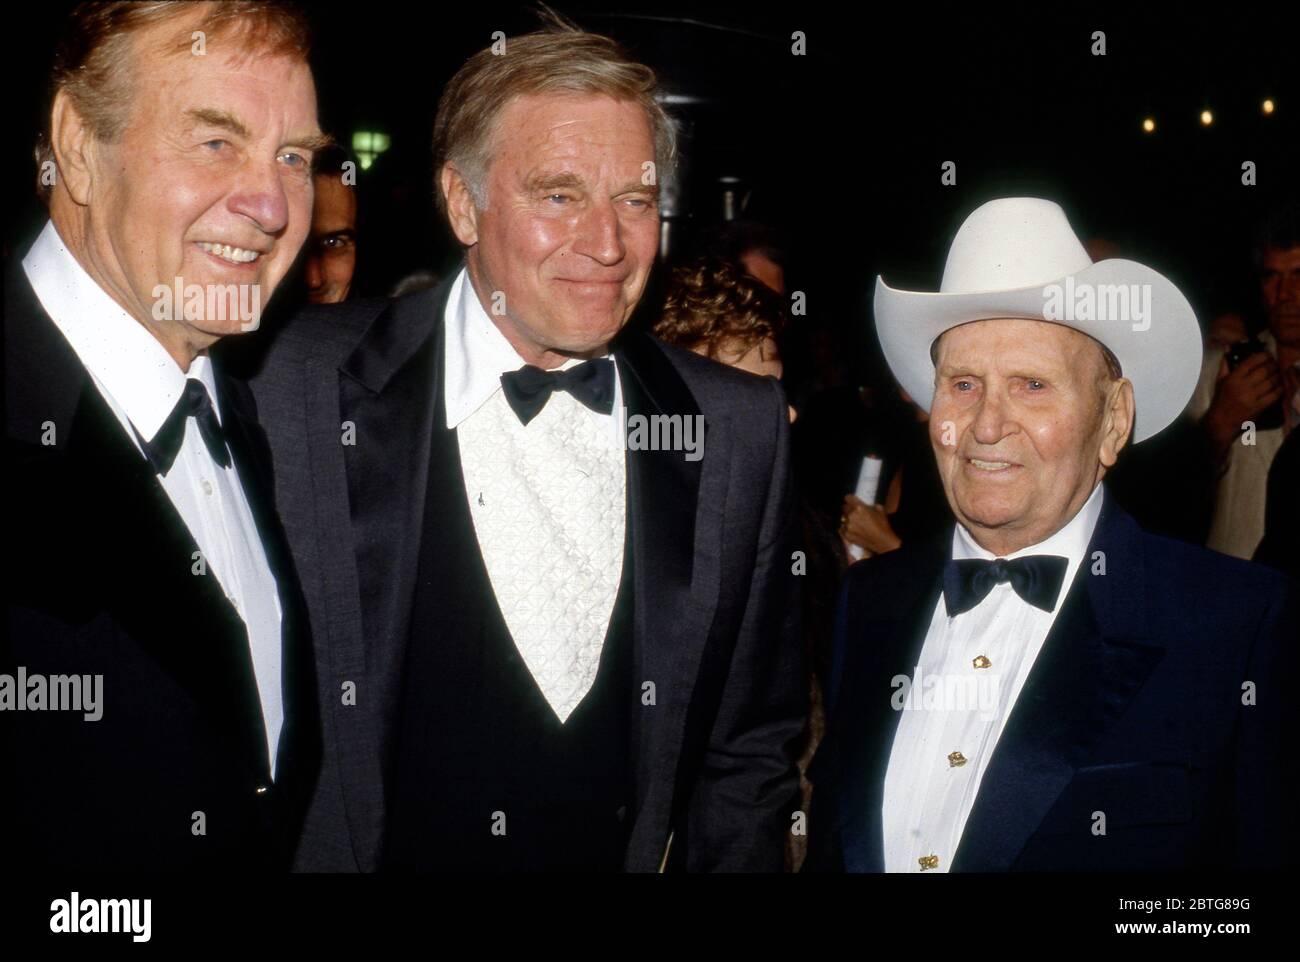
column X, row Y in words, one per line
column 842, row 148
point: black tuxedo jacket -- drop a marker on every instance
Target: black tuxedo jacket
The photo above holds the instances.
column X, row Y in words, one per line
column 100, row 582
column 715, row 621
column 1133, row 708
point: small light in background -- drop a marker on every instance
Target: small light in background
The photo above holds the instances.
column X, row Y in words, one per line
column 1207, row 118
column 1149, row 125
column 1268, row 106
column 368, row 145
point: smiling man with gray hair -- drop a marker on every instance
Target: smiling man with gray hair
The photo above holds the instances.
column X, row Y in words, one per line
column 1046, row 687
column 177, row 158
column 544, row 646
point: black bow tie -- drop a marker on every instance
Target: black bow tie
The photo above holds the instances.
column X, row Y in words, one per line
column 1036, row 578
column 166, row 444
column 529, row 388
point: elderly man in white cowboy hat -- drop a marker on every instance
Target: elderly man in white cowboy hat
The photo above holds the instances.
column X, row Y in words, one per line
column 1046, row 687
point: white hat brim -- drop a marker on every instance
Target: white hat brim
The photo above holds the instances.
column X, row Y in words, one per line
column 1161, row 354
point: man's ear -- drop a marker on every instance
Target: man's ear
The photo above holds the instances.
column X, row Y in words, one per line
column 74, row 148
column 1117, row 421
column 461, row 211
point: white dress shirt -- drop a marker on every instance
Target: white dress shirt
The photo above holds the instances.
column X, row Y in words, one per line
column 141, row 384
column 548, row 500
column 969, row 675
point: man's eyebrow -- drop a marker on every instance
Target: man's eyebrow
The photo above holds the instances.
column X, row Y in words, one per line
column 218, row 118
column 539, row 182
column 315, row 141
column 570, row 181
column 636, row 187
column 1042, row 374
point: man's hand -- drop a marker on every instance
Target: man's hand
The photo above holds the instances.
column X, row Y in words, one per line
column 1240, row 395
column 867, row 526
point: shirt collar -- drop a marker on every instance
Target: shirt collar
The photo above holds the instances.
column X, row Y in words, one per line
column 476, row 353
column 1071, row 541
column 126, row 361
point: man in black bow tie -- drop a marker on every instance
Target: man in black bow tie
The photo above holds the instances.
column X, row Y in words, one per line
column 1045, row 687
column 546, row 648
column 138, row 504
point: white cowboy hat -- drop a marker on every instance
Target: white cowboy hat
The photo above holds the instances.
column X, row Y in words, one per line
column 1017, row 257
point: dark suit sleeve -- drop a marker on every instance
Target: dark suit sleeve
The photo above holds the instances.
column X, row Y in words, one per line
column 825, row 849
column 1266, row 825
column 740, row 810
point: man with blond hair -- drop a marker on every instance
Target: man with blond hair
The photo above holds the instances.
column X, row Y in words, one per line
column 546, row 642
column 156, row 689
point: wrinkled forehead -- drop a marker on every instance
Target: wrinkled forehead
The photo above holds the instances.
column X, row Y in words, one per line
column 1282, row 259
column 572, row 124
column 168, row 54
column 334, row 202
column 998, row 341
column 186, row 36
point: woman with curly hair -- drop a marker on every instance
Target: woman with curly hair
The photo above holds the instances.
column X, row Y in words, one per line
column 715, row 309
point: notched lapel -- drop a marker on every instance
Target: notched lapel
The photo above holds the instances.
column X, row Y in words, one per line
column 387, row 391
column 663, row 487
column 372, row 519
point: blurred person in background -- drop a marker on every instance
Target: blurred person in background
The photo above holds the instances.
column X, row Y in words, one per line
column 755, row 248
column 914, row 505
column 714, row 309
column 1245, row 399
column 330, row 254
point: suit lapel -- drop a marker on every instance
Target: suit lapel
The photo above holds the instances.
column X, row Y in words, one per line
column 386, row 400
column 140, row 566
column 675, row 508
column 1095, row 659
column 373, row 421
column 676, row 555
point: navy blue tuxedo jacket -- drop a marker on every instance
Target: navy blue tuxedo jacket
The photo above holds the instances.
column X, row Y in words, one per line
column 1134, row 708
